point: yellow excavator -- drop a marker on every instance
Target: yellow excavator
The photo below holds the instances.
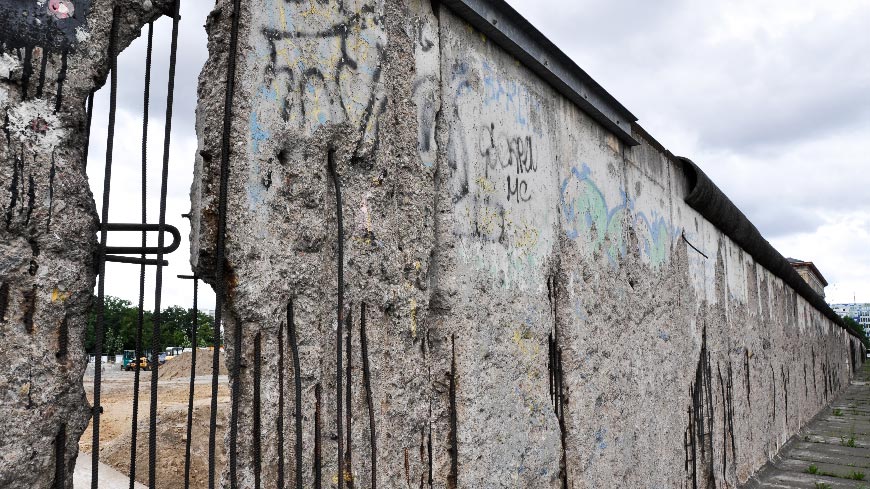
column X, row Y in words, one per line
column 130, row 362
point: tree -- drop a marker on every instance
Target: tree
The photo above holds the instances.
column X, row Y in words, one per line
column 857, row 329
column 205, row 330
column 121, row 321
column 118, row 322
column 174, row 325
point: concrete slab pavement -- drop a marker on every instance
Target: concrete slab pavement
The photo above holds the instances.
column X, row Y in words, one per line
column 109, row 478
column 832, row 451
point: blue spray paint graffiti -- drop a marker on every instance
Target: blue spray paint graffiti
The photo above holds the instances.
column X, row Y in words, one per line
column 511, row 95
column 258, row 134
column 587, row 214
column 655, row 236
column 460, row 78
column 600, row 441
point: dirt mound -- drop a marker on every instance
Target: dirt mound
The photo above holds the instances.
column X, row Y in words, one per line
column 180, row 366
column 115, row 429
column 171, row 440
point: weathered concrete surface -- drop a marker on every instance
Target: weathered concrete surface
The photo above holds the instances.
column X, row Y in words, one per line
column 833, row 449
column 324, row 74
column 51, row 57
column 536, row 316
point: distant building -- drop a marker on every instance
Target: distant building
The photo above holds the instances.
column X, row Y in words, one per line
column 811, row 275
column 859, row 312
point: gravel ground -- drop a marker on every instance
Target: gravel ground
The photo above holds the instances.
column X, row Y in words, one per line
column 116, row 396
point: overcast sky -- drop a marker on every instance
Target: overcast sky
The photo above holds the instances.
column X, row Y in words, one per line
column 123, row 280
column 771, row 99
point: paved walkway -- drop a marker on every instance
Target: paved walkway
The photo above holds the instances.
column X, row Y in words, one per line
column 833, row 451
column 109, row 478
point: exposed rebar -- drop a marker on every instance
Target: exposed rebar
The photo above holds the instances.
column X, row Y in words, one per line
column 340, row 314
column 158, row 282
column 141, row 306
column 101, row 252
column 297, row 379
column 194, row 326
column 220, row 266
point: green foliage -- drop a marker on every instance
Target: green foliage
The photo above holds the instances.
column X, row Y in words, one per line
column 812, row 469
column 838, row 412
column 857, row 329
column 822, row 485
column 858, row 476
column 121, row 320
column 175, row 328
column 848, row 442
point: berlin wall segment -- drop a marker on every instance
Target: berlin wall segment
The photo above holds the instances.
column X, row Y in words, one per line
column 543, row 309
column 53, row 54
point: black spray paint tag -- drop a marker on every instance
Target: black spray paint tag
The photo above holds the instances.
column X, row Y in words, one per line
column 50, row 24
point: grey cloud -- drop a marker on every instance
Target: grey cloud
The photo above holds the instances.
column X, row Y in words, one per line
column 828, row 175
column 782, row 220
column 191, row 55
column 758, row 91
column 777, row 116
column 122, row 280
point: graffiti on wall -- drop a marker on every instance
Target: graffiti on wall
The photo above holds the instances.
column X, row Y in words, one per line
column 498, row 167
column 507, row 155
column 326, row 69
column 506, row 143
column 498, row 211
column 510, row 96
column 427, row 82
column 588, row 216
column 500, row 172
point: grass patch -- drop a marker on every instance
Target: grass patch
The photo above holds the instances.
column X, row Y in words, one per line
column 813, row 469
column 822, row 485
column 838, row 412
column 848, row 442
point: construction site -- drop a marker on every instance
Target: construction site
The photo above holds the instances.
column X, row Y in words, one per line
column 115, row 422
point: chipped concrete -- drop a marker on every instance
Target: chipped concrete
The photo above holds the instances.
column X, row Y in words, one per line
column 35, row 122
column 10, row 68
column 543, row 309
column 47, row 231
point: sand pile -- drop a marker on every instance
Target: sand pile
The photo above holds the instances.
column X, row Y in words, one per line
column 117, row 404
column 179, row 366
column 171, row 440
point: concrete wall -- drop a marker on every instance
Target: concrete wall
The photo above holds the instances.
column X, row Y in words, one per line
column 52, row 55
column 543, row 309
